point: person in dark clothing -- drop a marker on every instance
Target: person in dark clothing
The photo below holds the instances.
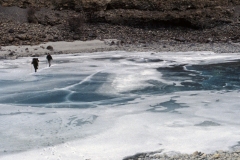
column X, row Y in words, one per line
column 35, row 63
column 49, row 58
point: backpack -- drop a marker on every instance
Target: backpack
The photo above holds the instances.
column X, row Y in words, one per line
column 35, row 61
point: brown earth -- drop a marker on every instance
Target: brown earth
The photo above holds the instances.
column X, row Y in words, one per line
column 133, row 22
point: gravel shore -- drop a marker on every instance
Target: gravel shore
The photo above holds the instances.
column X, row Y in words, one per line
column 219, row 155
column 13, row 52
column 173, row 46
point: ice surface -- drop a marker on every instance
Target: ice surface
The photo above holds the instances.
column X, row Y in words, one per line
column 110, row 105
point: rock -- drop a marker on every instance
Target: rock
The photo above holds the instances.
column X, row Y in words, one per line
column 216, row 156
column 235, row 154
column 76, row 37
column 10, row 39
column 196, row 153
column 237, row 151
column 112, row 42
column 209, row 40
column 11, row 53
column 204, row 156
column 49, row 38
column 21, row 36
column 142, row 41
column 2, row 57
column 92, row 35
column 11, row 30
column 55, row 37
column 28, row 37
column 50, row 48
column 180, row 39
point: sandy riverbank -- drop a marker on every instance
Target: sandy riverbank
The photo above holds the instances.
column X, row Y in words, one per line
column 62, row 47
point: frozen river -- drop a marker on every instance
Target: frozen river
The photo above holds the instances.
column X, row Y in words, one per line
column 109, row 105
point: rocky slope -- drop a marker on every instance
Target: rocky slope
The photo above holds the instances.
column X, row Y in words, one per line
column 135, row 21
column 189, row 13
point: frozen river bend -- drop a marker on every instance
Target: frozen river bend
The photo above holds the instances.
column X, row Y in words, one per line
column 110, row 105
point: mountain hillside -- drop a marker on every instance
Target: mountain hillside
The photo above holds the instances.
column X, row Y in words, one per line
column 34, row 21
column 189, row 13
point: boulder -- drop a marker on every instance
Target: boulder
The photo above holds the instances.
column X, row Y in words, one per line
column 21, row 36
column 11, row 30
column 50, row 48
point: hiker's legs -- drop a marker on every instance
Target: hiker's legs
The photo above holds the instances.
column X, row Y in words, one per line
column 35, row 67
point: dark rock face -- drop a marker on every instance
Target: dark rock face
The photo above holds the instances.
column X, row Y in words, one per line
column 130, row 21
column 187, row 13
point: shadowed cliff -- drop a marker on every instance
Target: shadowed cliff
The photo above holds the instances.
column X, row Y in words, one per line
column 187, row 13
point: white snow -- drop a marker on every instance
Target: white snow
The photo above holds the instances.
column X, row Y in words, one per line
column 45, row 115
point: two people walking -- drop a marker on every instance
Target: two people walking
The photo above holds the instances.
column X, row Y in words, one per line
column 35, row 61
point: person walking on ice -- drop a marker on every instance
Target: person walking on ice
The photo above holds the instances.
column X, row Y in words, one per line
column 35, row 63
column 49, row 58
